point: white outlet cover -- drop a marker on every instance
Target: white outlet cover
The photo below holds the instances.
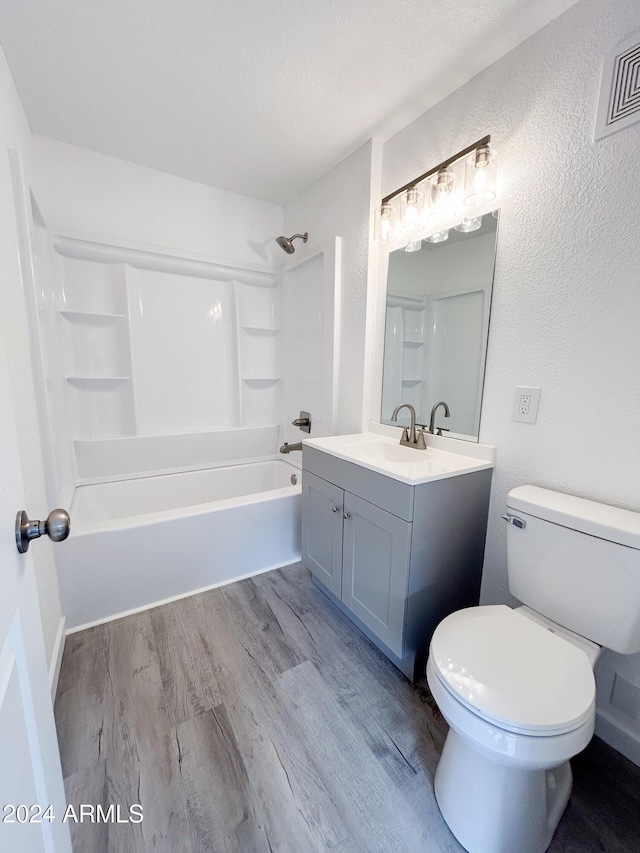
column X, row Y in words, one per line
column 532, row 414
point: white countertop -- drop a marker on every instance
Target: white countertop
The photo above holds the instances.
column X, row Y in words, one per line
column 379, row 451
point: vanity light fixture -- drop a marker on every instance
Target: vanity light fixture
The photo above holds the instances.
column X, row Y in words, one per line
column 404, row 213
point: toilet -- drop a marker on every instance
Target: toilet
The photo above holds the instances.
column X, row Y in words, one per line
column 516, row 685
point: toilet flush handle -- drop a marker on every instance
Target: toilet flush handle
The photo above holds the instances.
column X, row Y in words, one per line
column 513, row 519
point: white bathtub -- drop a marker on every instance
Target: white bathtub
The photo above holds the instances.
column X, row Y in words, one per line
column 138, row 543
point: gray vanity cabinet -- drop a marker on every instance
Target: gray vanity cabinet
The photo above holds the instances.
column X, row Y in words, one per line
column 360, row 553
column 395, row 558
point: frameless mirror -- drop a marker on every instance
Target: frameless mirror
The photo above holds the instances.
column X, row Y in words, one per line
column 437, row 325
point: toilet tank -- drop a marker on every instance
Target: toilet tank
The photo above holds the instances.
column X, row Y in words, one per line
column 577, row 562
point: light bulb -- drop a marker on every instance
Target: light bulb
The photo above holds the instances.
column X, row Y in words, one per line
column 444, row 198
column 385, row 223
column 480, row 180
column 413, row 246
column 411, row 211
column 480, row 177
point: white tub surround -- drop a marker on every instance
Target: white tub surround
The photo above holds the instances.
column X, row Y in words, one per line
column 142, row 455
column 139, row 543
column 160, row 356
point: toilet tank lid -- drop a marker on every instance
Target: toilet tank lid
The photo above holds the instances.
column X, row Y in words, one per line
column 621, row 526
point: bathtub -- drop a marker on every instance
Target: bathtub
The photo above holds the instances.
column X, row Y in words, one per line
column 138, row 543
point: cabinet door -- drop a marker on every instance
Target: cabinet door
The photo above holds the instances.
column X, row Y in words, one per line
column 375, row 569
column 322, row 508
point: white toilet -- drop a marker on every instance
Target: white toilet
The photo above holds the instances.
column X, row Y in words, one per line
column 516, row 688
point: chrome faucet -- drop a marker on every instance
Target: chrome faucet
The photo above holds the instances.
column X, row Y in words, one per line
column 433, row 418
column 409, row 437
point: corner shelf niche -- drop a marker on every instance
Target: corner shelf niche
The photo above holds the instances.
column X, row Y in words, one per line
column 90, row 317
column 94, row 337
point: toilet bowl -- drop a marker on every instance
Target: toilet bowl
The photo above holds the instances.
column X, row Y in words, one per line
column 516, row 685
column 520, row 702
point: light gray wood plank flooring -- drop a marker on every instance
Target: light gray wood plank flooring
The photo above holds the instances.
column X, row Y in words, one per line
column 256, row 717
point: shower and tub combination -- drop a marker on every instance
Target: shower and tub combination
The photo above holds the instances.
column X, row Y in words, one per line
column 170, row 383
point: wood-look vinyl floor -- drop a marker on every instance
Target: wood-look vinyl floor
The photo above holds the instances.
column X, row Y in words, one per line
column 256, row 717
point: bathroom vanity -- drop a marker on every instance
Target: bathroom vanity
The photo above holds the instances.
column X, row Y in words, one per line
column 395, row 536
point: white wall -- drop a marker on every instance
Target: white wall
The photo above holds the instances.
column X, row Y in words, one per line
column 14, row 134
column 84, row 191
column 566, row 300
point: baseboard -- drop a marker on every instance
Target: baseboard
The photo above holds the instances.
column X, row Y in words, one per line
column 56, row 658
column 616, row 735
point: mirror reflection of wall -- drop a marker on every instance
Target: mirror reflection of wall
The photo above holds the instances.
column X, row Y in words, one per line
column 437, row 323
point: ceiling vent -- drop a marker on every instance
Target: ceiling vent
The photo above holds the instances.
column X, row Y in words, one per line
column 619, row 104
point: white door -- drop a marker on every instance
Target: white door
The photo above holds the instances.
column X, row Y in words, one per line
column 30, row 774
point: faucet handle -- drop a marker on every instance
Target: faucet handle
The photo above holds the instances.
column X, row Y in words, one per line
column 405, row 436
column 440, row 430
column 421, row 443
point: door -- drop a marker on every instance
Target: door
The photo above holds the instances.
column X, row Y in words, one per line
column 322, row 530
column 30, row 773
column 375, row 569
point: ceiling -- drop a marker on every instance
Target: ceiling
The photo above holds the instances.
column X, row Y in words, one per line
column 260, row 97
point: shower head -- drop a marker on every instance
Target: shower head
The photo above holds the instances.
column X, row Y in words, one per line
column 286, row 243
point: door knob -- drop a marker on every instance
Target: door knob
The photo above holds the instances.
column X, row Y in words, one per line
column 346, row 515
column 56, row 526
column 335, row 509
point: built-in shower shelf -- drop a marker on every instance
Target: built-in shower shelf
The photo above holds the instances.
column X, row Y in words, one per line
column 409, row 342
column 96, row 381
column 411, row 382
column 90, row 316
column 259, row 381
column 260, row 331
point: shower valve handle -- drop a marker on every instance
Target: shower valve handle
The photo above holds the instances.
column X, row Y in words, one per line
column 56, row 526
column 304, row 421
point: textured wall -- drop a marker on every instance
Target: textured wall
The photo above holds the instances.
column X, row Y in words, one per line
column 338, row 206
column 14, row 134
column 566, row 298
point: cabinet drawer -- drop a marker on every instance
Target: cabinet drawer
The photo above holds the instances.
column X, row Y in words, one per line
column 378, row 489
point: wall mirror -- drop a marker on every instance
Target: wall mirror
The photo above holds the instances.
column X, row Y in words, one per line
column 437, row 325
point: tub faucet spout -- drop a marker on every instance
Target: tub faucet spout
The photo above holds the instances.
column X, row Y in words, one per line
column 287, row 448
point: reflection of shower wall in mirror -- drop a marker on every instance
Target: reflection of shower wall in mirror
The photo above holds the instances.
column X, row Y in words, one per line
column 454, row 356
column 403, row 378
column 441, row 355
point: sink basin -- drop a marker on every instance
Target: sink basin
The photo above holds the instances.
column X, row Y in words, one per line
column 387, row 456
column 383, row 451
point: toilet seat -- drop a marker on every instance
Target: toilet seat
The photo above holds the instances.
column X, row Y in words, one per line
column 513, row 672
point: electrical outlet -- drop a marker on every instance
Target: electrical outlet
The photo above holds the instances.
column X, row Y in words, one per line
column 525, row 405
